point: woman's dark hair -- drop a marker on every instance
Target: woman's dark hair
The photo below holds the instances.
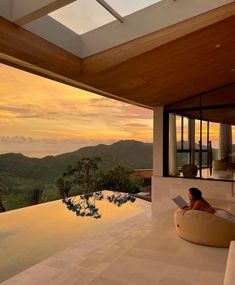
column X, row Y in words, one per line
column 196, row 193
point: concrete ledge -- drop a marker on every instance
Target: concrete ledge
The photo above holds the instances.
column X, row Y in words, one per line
column 230, row 267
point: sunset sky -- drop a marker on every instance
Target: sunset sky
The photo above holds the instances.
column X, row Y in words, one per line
column 41, row 117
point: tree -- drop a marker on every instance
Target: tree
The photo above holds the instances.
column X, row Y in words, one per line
column 118, row 179
column 35, row 195
column 2, row 189
column 64, row 187
column 85, row 173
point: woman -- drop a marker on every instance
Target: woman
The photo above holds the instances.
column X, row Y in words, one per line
column 197, row 202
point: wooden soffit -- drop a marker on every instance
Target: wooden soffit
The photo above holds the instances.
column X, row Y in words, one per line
column 189, row 58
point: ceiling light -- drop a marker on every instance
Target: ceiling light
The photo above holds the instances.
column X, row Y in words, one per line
column 218, row 46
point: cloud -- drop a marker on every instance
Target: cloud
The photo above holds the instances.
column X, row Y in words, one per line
column 45, row 146
column 103, row 101
column 25, row 112
column 14, row 109
column 30, row 117
column 136, row 125
column 41, row 115
column 22, row 139
column 123, row 110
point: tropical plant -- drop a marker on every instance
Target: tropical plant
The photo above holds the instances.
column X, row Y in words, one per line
column 64, row 187
column 85, row 173
column 119, row 199
column 85, row 205
column 35, row 195
column 118, row 179
column 2, row 189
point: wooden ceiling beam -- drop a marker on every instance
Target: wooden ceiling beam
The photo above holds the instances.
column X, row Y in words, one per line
column 22, row 49
column 124, row 52
column 25, row 11
column 22, row 45
column 179, row 69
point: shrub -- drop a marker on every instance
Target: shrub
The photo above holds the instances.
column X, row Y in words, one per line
column 35, row 195
column 118, row 179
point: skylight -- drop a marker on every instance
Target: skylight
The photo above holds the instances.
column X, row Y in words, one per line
column 127, row 7
column 82, row 16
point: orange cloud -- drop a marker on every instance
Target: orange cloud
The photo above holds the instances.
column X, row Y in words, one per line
column 42, row 110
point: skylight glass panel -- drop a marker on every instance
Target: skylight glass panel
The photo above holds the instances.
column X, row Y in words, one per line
column 82, row 16
column 127, row 7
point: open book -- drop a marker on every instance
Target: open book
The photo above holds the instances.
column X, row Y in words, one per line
column 180, row 202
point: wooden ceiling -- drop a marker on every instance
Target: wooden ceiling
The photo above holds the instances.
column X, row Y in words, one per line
column 220, row 115
column 196, row 63
column 157, row 72
column 215, row 106
column 220, row 97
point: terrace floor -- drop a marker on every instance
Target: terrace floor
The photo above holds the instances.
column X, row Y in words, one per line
column 141, row 250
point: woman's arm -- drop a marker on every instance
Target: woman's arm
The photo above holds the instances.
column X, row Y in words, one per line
column 191, row 204
column 197, row 205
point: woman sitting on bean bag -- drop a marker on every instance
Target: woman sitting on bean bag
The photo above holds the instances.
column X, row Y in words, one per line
column 197, row 202
column 202, row 224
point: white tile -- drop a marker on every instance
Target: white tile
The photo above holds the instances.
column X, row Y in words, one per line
column 142, row 250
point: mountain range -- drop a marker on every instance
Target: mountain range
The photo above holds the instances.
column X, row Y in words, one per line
column 134, row 154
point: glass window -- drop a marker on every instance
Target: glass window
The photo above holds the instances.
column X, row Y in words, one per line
column 214, row 138
column 233, row 148
column 185, row 132
column 178, row 129
column 82, row 16
column 205, row 138
column 124, row 7
column 197, row 134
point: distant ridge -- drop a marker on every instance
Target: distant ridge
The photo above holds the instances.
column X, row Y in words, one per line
column 134, row 154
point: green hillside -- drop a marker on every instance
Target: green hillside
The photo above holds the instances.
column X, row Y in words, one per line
column 20, row 174
column 131, row 153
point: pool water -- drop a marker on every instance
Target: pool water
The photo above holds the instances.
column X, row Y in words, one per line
column 30, row 235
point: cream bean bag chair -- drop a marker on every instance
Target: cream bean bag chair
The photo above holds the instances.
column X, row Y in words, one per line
column 204, row 228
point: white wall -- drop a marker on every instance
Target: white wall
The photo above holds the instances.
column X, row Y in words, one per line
column 158, row 141
column 165, row 188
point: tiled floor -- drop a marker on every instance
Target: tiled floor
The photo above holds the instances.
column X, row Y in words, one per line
column 142, row 250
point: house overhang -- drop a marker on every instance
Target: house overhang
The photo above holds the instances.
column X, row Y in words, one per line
column 185, row 59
